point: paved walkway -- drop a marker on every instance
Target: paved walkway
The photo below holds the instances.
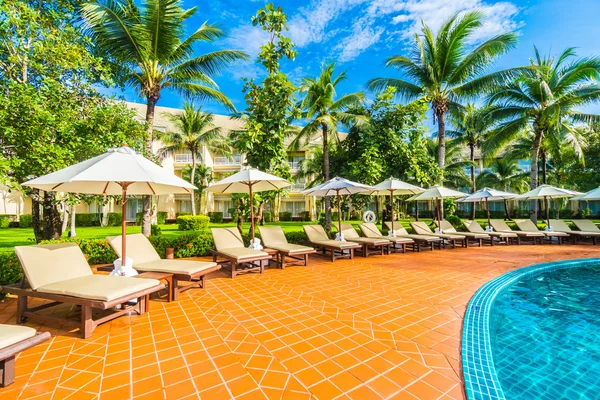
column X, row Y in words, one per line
column 381, row 327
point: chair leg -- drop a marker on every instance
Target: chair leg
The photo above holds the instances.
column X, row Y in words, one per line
column 352, row 254
column 87, row 325
column 233, row 265
column 173, row 285
column 7, row 371
column 21, row 308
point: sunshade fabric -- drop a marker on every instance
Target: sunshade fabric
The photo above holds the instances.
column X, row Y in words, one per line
column 104, row 173
column 338, row 186
column 489, row 194
column 437, row 192
column 241, row 181
column 396, row 186
column 545, row 191
column 593, row 194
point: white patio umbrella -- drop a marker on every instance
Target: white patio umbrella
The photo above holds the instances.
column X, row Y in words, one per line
column 392, row 186
column 438, row 193
column 592, row 195
column 545, row 192
column 487, row 195
column 119, row 171
column 249, row 180
column 338, row 186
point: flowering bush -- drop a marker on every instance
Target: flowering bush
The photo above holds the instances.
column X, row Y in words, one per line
column 10, row 270
column 193, row 222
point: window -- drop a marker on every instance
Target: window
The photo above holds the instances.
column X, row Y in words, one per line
column 134, row 206
column 295, row 162
column 184, row 206
column 295, row 207
column 224, row 206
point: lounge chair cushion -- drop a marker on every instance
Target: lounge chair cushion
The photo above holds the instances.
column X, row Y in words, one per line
column 99, row 287
column 45, row 264
column 315, row 233
column 291, row 248
column 139, row 248
column 184, row 267
column 526, row 225
column 272, row 235
column 242, row 253
column 474, row 227
column 227, row 238
column 560, row 226
column 336, row 244
column 369, row 229
column 501, row 226
column 447, row 227
column 586, row 225
column 11, row 334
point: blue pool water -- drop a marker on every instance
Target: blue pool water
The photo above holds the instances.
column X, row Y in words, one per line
column 545, row 335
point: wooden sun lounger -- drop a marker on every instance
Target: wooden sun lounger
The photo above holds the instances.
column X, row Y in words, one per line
column 502, row 237
column 146, row 259
column 287, row 253
column 13, row 340
column 319, row 239
column 61, row 274
column 501, row 226
column 420, row 241
column 399, row 243
column 421, row 228
column 229, row 246
column 478, row 238
column 369, row 246
column 526, row 225
column 560, row 226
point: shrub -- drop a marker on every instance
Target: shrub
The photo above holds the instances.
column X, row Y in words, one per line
column 25, row 221
column 456, row 222
column 161, row 217
column 13, row 224
column 426, row 214
column 87, row 219
column 285, row 216
column 268, row 216
column 155, row 230
column 297, row 237
column 180, row 214
column 5, row 220
column 10, row 270
column 193, row 222
column 585, row 212
column 98, row 251
column 192, row 245
column 160, row 243
column 114, row 218
column 305, row 215
column 215, row 217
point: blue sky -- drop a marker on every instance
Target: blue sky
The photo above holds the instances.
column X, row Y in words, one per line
column 360, row 34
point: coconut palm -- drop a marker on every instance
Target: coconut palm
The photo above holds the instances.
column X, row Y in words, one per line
column 195, row 130
column 504, row 174
column 324, row 113
column 150, row 49
column 444, row 69
column 455, row 164
column 543, row 99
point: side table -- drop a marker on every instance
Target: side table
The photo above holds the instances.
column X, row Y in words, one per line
column 160, row 276
column 273, row 253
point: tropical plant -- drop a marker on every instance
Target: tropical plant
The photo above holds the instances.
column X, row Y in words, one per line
column 504, row 174
column 444, row 69
column 195, row 130
column 202, row 179
column 453, row 172
column 151, row 52
column 542, row 99
column 324, row 113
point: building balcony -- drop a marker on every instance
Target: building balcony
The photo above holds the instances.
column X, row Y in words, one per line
column 224, row 161
column 294, row 165
column 183, row 158
column 297, row 187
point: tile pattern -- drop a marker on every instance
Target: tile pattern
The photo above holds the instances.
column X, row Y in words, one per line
column 381, row 327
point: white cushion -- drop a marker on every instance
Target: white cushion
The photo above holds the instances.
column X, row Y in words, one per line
column 11, row 334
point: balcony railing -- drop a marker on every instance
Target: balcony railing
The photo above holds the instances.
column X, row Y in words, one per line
column 235, row 160
column 294, row 165
column 298, row 187
column 183, row 158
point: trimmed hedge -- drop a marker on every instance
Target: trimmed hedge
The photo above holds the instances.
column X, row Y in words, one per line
column 88, row 219
column 305, row 215
column 216, row 217
column 161, row 217
column 268, row 216
column 25, row 221
column 456, row 222
column 10, row 270
column 6, row 219
column 285, row 216
column 98, row 251
column 193, row 222
column 114, row 218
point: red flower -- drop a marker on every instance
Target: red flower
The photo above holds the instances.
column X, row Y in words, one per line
column 189, row 245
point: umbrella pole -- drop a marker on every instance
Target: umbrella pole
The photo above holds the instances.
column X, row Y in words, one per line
column 124, row 225
column 439, row 213
column 339, row 213
column 547, row 204
column 251, row 214
column 487, row 207
column 392, row 205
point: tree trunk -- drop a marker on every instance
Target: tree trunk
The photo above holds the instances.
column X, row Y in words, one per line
column 544, row 167
column 36, row 222
column 192, row 176
column 473, row 185
column 147, row 200
column 72, row 232
column 506, row 213
column 261, row 212
column 326, row 199
column 535, row 152
column 441, row 143
column 52, row 222
column 65, row 220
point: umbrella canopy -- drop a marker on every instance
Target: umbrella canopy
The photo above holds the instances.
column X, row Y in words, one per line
column 487, row 195
column 592, row 195
column 249, row 180
column 437, row 193
column 119, row 171
column 338, row 186
column 545, row 192
column 392, row 186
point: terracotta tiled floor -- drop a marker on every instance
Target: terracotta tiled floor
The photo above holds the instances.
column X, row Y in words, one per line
column 381, row 327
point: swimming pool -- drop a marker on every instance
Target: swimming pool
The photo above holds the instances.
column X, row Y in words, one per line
column 534, row 333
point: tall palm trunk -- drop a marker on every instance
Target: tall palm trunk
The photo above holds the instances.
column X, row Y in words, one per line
column 535, row 152
column 192, row 176
column 147, row 201
column 473, row 186
column 544, row 166
column 326, row 199
column 72, row 232
column 441, row 141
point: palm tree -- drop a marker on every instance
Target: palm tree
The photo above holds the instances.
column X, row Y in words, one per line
column 542, row 99
column 325, row 113
column 504, row 174
column 443, row 69
column 195, row 130
column 202, row 178
column 151, row 51
column 455, row 164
